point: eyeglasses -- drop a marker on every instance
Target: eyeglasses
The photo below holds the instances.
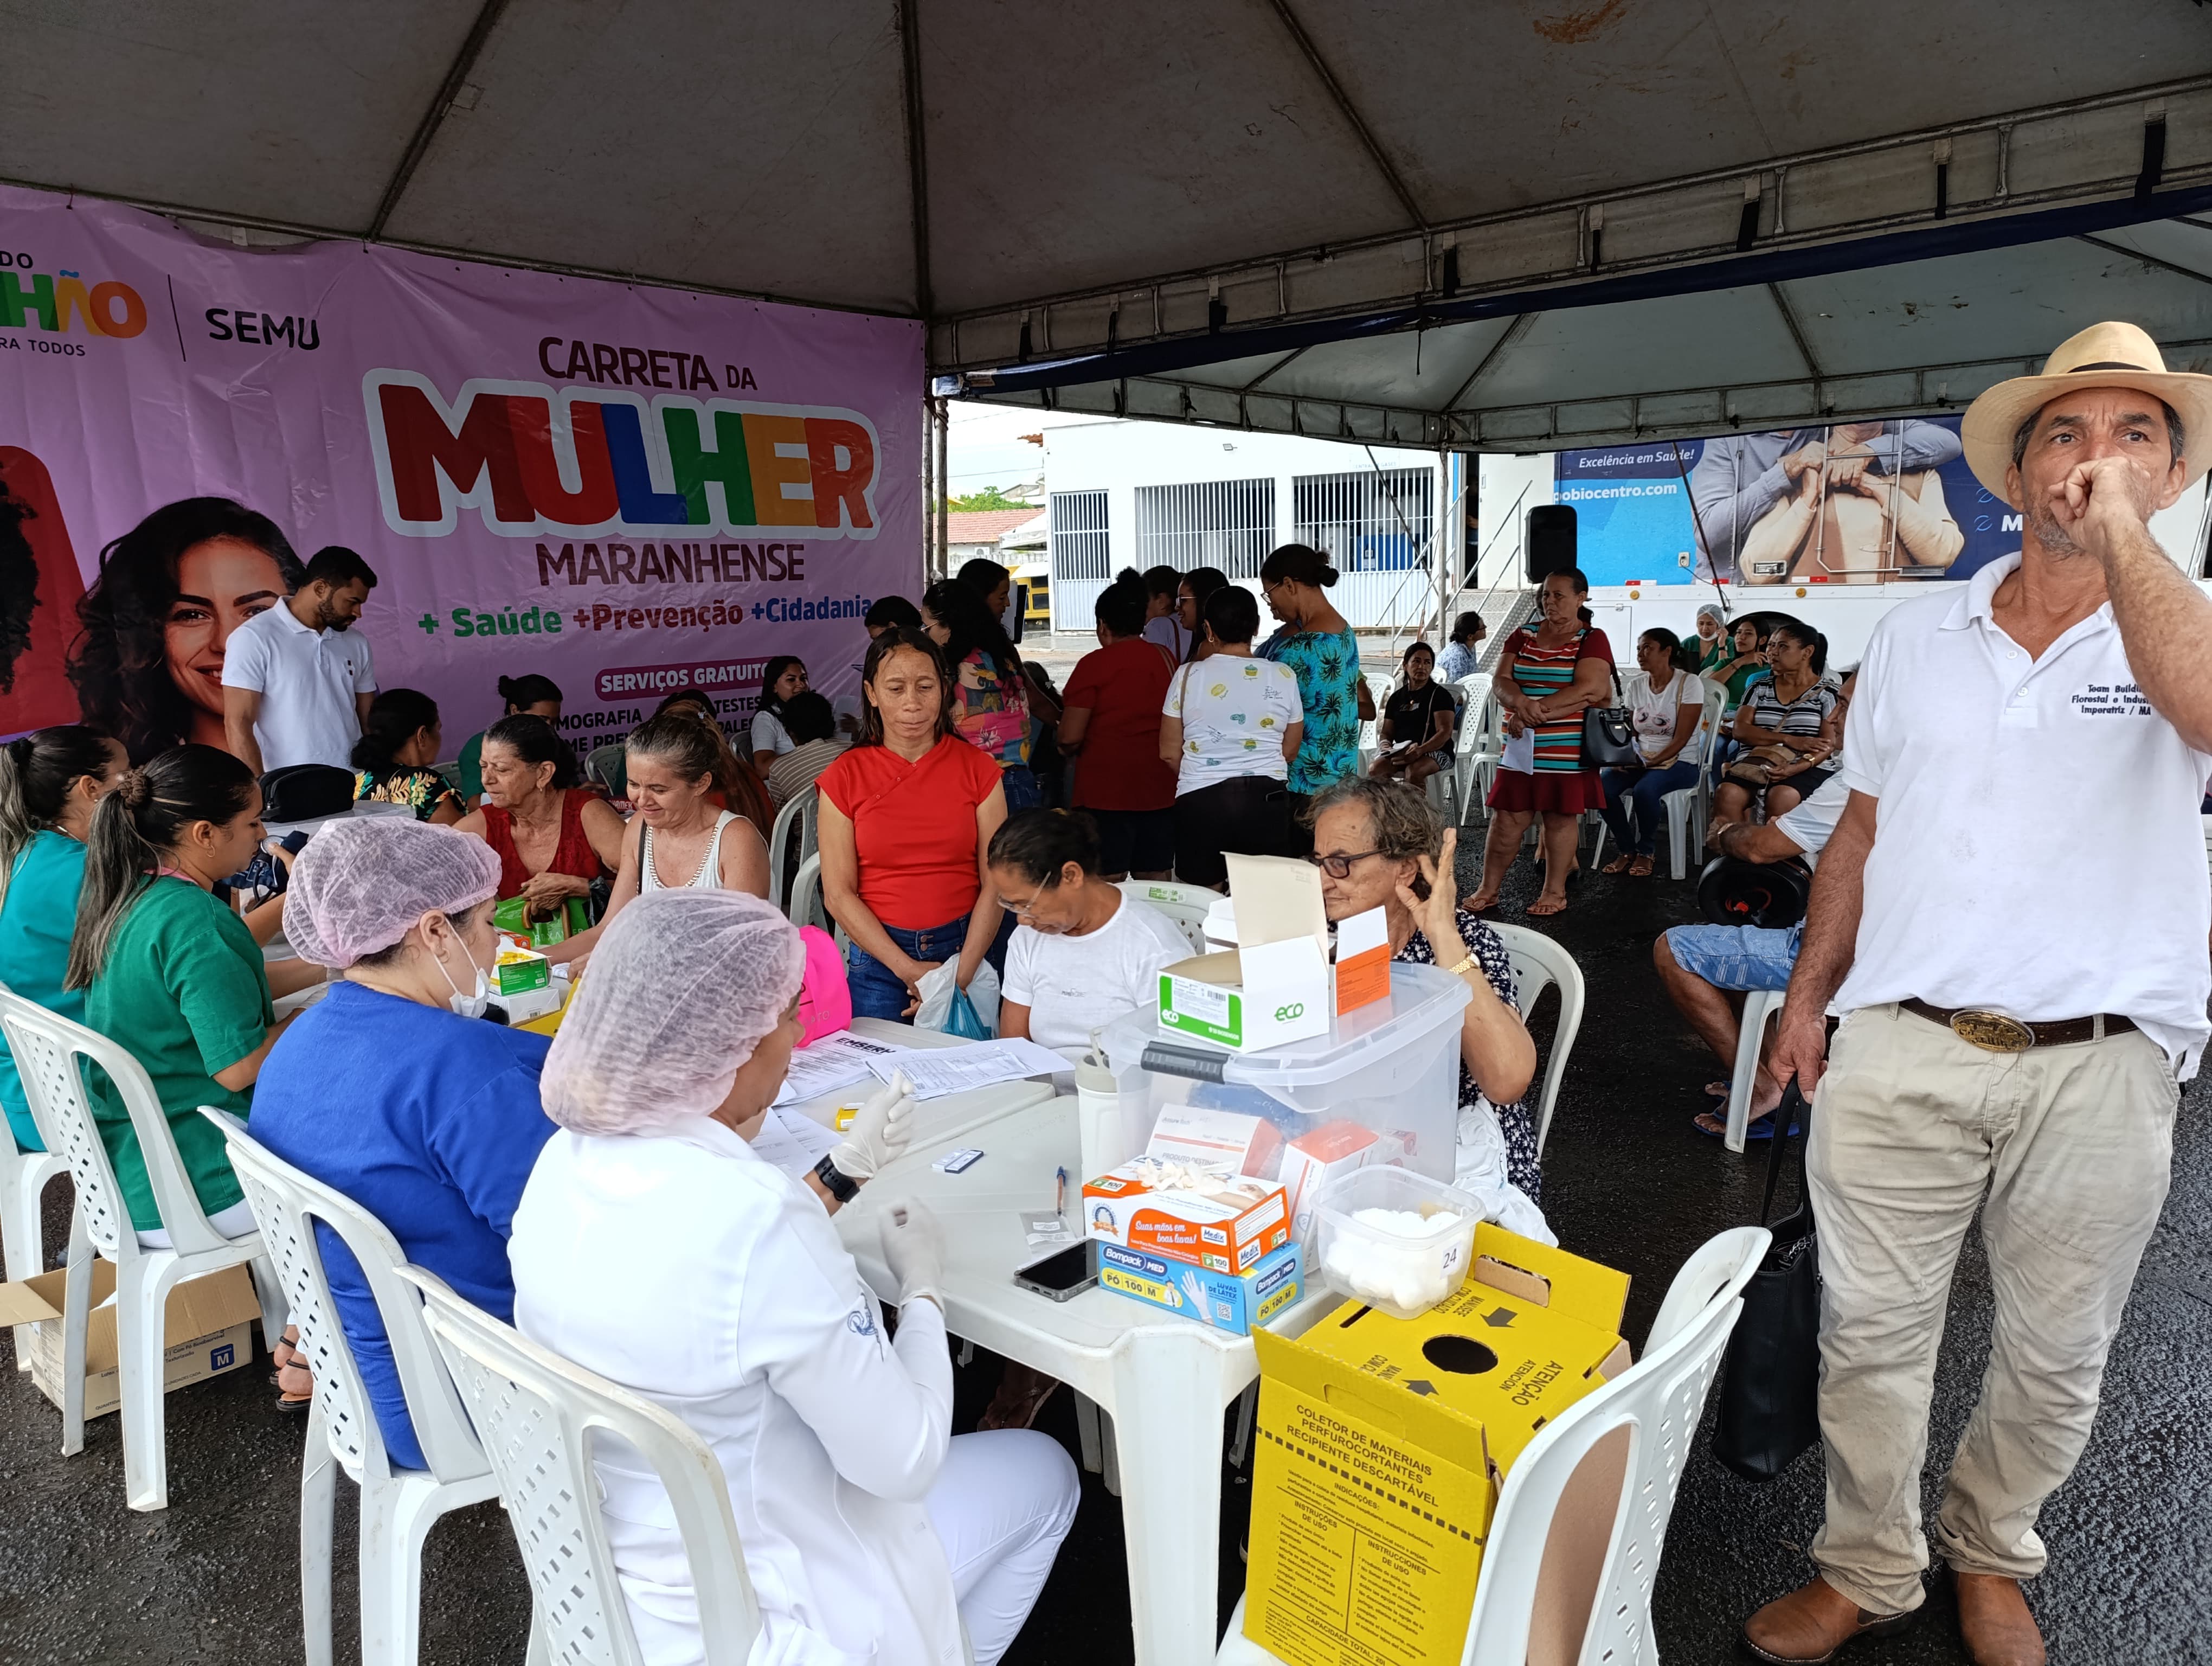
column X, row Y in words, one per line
column 1025, row 910
column 1339, row 867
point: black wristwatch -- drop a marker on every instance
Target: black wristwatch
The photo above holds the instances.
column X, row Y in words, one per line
column 835, row 1182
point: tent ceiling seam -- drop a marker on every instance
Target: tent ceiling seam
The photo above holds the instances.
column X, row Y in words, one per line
column 908, row 24
column 2175, row 267
column 1796, row 334
column 1521, row 325
column 426, row 131
column 1350, row 113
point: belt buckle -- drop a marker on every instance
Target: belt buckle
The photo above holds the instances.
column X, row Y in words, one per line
column 1993, row 1033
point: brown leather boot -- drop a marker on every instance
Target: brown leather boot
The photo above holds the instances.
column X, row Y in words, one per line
column 1994, row 1618
column 1806, row 1627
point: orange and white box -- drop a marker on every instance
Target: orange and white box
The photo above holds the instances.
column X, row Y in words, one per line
column 1189, row 1134
column 1214, row 1219
column 1312, row 1160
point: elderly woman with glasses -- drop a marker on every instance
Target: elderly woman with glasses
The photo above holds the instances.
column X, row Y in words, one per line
column 655, row 1247
column 1379, row 844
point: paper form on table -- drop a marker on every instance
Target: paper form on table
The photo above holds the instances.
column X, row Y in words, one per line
column 835, row 1061
column 936, row 1072
column 791, row 1141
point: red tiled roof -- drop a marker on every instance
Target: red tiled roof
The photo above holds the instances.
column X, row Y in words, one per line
column 985, row 525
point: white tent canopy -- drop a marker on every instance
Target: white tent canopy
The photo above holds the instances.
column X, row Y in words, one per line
column 1533, row 222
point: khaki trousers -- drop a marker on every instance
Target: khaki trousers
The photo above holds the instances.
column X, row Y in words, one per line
column 2067, row 1152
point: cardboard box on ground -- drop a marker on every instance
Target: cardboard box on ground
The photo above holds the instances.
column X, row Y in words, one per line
column 208, row 1330
column 1382, row 1444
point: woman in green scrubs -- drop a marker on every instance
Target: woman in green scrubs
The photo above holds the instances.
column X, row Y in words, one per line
column 49, row 782
column 171, row 972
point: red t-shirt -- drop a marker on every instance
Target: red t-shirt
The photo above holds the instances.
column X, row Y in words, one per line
column 1119, row 768
column 913, row 828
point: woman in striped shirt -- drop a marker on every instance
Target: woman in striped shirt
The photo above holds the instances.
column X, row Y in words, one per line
column 1546, row 679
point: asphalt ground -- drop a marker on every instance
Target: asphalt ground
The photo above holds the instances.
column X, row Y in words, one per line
column 212, row 1581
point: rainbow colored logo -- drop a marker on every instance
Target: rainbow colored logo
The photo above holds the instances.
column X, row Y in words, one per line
column 530, row 458
column 55, row 301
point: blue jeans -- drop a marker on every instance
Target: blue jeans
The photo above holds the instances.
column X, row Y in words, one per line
column 1022, row 792
column 1736, row 957
column 1632, row 809
column 877, row 991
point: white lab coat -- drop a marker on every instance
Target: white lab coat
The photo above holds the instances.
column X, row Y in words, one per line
column 685, row 1268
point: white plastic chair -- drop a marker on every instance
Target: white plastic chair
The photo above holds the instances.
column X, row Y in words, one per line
column 1689, row 809
column 536, row 1414
column 1186, row 905
column 1539, row 962
column 398, row 1506
column 50, row 1052
column 1758, row 1005
column 1582, row 1518
column 803, row 813
column 23, row 1177
column 806, row 907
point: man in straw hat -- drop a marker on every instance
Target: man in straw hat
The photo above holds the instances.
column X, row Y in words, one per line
column 2011, row 918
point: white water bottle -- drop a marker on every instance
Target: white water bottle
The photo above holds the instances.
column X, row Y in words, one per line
column 1098, row 1114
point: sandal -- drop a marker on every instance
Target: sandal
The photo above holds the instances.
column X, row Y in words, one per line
column 1640, row 868
column 1022, row 1395
column 294, row 1382
column 1617, row 865
column 1713, row 1126
column 1545, row 907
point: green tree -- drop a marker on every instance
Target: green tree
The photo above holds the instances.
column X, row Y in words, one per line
column 989, row 498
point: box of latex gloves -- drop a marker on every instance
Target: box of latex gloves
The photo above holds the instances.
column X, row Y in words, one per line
column 1203, row 1193
column 1383, row 1443
column 1239, row 1303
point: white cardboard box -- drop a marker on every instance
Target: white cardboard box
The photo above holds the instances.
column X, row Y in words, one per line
column 210, row 1331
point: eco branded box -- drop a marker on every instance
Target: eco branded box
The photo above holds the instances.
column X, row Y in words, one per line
column 1225, row 1301
column 208, row 1330
column 1382, row 1444
column 1227, row 1222
column 1274, row 987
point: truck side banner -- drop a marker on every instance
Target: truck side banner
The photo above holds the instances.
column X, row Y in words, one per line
column 629, row 490
column 1854, row 503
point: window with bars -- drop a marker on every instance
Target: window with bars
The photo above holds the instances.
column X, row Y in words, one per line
column 1369, row 522
column 1079, row 547
column 1228, row 524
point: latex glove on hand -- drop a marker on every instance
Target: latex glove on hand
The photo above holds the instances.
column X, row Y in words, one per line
column 913, row 1250
column 880, row 1130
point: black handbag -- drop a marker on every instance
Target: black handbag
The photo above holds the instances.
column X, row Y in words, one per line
column 1609, row 736
column 1770, row 1409
column 306, row 792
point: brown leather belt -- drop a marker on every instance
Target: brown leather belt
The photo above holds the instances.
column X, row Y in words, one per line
column 2001, row 1032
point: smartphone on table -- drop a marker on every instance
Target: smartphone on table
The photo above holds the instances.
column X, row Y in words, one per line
column 1063, row 1274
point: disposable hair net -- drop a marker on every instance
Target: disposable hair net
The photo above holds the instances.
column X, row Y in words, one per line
column 682, row 987
column 360, row 883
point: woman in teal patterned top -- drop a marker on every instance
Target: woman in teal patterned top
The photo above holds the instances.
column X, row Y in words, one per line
column 1317, row 644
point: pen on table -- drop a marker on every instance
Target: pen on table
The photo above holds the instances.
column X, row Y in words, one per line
column 1060, row 1191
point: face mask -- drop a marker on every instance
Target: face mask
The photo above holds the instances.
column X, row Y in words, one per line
column 469, row 1006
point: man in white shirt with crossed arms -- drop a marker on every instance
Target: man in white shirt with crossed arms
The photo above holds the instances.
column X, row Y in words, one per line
column 2011, row 918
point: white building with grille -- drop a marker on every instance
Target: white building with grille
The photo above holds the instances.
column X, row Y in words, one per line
column 1127, row 493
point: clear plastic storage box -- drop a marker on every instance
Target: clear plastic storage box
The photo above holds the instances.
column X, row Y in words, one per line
column 1391, row 1066
column 1402, row 1268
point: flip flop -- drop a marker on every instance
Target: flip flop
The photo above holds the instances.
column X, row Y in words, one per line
column 1536, row 909
column 1760, row 1128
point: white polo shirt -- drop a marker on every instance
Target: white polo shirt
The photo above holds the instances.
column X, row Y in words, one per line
column 1813, row 822
column 307, row 680
column 2037, row 846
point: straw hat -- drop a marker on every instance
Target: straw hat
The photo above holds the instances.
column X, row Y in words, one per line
column 2103, row 355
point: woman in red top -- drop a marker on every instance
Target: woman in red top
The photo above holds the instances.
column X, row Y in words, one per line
column 1110, row 718
column 907, row 815
column 1546, row 679
column 552, row 837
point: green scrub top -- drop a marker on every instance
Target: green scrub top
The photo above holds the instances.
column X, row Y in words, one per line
column 36, row 919
column 472, row 770
column 184, row 990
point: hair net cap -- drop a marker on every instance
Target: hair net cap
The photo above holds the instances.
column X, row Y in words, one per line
column 682, row 987
column 362, row 882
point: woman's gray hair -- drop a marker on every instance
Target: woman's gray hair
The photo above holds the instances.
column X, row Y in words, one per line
column 1405, row 824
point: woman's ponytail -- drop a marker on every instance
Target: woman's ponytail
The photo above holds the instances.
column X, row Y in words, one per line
column 134, row 830
column 37, row 772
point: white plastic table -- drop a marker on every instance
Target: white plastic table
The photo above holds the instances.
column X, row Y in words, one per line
column 1164, row 1380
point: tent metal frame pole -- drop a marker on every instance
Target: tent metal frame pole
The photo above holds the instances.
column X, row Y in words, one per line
column 435, row 117
column 944, row 528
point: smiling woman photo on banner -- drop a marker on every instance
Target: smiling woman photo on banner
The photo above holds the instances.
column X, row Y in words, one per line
column 147, row 665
